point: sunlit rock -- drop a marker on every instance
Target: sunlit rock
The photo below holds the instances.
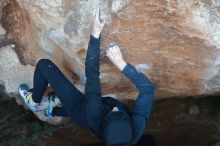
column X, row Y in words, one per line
column 175, row 43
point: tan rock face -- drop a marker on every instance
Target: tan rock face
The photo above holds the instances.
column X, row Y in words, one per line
column 173, row 39
column 175, row 43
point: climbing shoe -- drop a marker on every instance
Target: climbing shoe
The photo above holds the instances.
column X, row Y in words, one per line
column 26, row 95
column 53, row 102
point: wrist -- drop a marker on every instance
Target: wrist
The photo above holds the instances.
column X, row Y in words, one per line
column 96, row 35
column 121, row 65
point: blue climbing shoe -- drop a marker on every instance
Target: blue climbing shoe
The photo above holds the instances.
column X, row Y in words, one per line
column 53, row 102
column 26, row 94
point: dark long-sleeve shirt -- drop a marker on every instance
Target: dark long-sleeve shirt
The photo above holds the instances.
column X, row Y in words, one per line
column 97, row 106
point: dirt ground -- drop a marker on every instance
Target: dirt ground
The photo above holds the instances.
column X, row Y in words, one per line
column 173, row 122
column 172, row 125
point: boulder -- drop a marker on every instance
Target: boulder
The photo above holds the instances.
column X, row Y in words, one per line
column 2, row 31
column 12, row 72
column 174, row 43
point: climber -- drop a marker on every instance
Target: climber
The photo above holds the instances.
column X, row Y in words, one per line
column 109, row 119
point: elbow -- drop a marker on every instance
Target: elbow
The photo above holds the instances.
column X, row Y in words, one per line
column 152, row 86
column 149, row 85
column 149, row 89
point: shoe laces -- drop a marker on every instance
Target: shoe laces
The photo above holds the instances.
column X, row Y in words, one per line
column 28, row 96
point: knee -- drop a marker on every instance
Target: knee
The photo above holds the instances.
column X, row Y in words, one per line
column 42, row 63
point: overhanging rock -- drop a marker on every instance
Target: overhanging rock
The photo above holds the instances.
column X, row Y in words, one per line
column 175, row 43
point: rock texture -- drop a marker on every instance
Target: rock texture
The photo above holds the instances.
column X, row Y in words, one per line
column 2, row 31
column 174, row 42
column 12, row 72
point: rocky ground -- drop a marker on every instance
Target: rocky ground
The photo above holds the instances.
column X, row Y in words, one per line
column 173, row 122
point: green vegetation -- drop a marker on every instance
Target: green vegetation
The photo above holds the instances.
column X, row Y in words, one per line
column 18, row 127
column 211, row 105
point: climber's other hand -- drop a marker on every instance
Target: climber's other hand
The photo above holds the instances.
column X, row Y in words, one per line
column 97, row 24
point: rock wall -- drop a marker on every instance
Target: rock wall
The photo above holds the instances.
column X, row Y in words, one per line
column 174, row 42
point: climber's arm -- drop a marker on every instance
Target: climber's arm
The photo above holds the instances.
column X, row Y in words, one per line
column 144, row 86
column 143, row 102
column 93, row 87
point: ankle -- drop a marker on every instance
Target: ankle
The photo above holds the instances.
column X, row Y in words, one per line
column 121, row 65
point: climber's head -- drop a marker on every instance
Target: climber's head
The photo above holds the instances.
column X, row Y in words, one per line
column 116, row 129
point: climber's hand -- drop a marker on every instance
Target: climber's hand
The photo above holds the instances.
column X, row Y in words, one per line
column 97, row 24
column 114, row 54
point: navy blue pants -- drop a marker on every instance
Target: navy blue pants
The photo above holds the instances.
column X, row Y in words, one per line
column 71, row 98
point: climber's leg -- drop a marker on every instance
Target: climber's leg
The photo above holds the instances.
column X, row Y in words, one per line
column 59, row 111
column 70, row 97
